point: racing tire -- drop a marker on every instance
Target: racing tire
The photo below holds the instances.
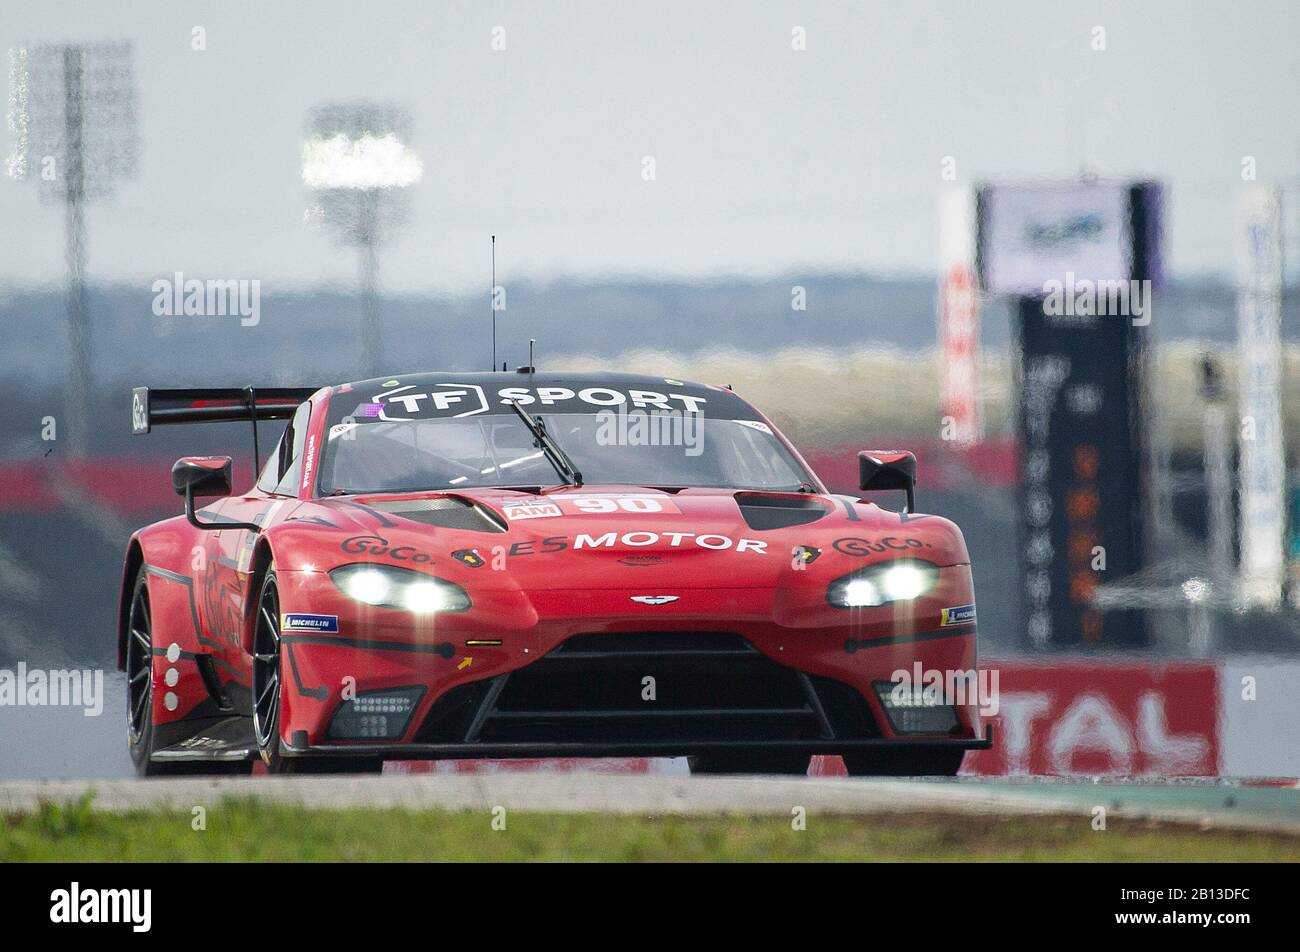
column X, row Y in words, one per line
column 904, row 763
column 750, row 762
column 268, row 693
column 140, row 732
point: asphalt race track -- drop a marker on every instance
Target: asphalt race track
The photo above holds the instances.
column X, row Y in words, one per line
column 1206, row 805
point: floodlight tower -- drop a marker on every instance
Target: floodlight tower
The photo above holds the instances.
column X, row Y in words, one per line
column 72, row 117
column 358, row 164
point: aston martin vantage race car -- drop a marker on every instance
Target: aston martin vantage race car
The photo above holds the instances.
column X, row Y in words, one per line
column 527, row 564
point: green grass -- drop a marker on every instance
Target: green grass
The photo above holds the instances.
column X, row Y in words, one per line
column 253, row 830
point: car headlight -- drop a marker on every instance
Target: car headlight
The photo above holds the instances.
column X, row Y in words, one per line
column 386, row 586
column 898, row 581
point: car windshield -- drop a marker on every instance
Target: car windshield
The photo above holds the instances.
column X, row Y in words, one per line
column 500, row 450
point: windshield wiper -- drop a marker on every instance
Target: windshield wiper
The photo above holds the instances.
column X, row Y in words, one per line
column 559, row 459
column 390, row 490
column 533, row 490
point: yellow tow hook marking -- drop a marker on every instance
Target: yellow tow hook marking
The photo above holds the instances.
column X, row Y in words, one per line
column 465, row 664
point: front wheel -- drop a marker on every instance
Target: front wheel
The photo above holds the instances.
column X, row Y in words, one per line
column 904, row 763
column 140, row 728
column 268, row 694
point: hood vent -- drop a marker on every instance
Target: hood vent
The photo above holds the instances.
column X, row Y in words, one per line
column 764, row 511
column 445, row 512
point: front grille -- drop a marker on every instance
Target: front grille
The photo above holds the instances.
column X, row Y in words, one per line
column 707, row 686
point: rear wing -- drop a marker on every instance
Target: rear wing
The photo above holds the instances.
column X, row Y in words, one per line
column 150, row 408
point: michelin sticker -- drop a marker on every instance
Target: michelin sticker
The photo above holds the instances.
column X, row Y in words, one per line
column 962, row 615
column 298, row 621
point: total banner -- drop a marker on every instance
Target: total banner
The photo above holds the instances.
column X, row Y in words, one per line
column 1112, row 719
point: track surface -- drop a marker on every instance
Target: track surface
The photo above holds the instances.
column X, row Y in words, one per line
column 1207, row 805
column 90, row 753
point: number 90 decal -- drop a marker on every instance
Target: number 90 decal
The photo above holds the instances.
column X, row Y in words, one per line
column 605, row 503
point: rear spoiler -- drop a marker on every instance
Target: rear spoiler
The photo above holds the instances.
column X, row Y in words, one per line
column 150, row 408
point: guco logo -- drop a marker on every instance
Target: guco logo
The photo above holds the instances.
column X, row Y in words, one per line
column 378, row 545
column 860, row 548
column 77, row 905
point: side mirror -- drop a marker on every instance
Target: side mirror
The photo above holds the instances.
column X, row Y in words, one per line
column 888, row 469
column 194, row 476
column 202, row 476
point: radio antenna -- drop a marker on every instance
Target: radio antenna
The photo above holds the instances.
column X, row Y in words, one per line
column 492, row 302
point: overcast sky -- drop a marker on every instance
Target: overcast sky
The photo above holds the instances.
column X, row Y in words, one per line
column 768, row 160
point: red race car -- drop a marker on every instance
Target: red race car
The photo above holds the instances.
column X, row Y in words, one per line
column 537, row 565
